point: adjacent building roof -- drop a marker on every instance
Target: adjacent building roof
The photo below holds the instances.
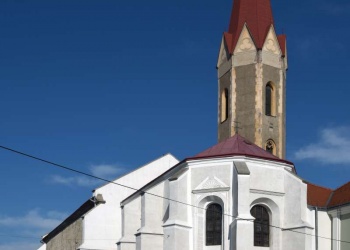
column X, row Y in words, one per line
column 82, row 210
column 340, row 196
column 257, row 15
column 237, row 146
column 318, row 196
column 322, row 197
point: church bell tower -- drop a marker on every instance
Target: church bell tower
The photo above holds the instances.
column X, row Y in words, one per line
column 252, row 67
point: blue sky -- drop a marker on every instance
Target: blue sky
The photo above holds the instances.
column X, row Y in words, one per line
column 107, row 86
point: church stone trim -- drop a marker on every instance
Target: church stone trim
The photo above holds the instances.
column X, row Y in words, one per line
column 241, row 167
column 210, row 185
column 256, row 191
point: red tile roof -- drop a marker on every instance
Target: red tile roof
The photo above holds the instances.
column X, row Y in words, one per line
column 282, row 40
column 257, row 14
column 237, row 145
column 340, row 196
column 318, row 196
column 327, row 198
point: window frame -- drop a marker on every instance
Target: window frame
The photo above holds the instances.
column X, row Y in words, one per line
column 270, row 101
column 261, row 226
column 224, row 105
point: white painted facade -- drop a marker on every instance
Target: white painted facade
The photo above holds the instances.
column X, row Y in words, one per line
column 42, row 247
column 102, row 225
column 340, row 228
column 159, row 224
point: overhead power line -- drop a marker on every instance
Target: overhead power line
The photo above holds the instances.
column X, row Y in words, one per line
column 155, row 195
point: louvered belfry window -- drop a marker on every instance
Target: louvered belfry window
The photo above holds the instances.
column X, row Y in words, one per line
column 213, row 225
column 261, row 226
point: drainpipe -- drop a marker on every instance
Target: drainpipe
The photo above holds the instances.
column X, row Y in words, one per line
column 316, row 227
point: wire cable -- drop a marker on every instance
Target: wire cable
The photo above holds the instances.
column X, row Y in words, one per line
column 155, row 195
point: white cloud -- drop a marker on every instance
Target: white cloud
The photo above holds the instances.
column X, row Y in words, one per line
column 33, row 219
column 82, row 181
column 333, row 147
column 19, row 246
column 104, row 171
column 23, row 232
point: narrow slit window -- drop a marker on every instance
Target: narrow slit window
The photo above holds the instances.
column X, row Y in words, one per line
column 271, row 147
column 269, row 100
column 224, row 105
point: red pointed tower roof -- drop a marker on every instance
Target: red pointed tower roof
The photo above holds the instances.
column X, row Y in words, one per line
column 237, row 146
column 257, row 15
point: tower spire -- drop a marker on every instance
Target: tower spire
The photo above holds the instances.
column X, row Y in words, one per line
column 252, row 67
column 256, row 14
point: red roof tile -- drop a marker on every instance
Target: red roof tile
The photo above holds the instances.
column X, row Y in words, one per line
column 257, row 14
column 340, row 196
column 327, row 198
column 237, row 145
column 318, row 196
column 282, row 39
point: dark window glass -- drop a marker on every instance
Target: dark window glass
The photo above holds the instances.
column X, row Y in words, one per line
column 213, row 225
column 268, row 101
column 270, row 147
column 261, row 226
column 226, row 104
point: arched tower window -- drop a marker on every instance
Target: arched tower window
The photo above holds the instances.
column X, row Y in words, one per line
column 270, row 147
column 224, row 105
column 213, row 226
column 261, row 226
column 270, row 99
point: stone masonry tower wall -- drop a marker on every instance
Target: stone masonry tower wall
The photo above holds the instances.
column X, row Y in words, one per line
column 252, row 69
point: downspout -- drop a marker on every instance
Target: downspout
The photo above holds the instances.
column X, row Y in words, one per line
column 316, row 228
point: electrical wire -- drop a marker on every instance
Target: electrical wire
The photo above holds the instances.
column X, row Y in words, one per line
column 155, row 195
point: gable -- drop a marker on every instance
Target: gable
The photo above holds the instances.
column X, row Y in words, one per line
column 245, row 42
column 223, row 54
column 271, row 44
column 211, row 184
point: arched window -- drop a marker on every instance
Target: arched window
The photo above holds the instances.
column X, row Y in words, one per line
column 224, row 105
column 270, row 147
column 269, row 100
column 213, row 227
column 261, row 226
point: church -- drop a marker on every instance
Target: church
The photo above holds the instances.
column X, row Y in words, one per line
column 240, row 194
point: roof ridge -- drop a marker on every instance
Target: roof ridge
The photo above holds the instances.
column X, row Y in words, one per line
column 320, row 186
column 330, row 199
column 342, row 186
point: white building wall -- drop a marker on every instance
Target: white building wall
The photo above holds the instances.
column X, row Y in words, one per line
column 43, row 247
column 102, row 226
column 284, row 195
column 324, row 231
column 218, row 180
column 150, row 235
column 345, row 231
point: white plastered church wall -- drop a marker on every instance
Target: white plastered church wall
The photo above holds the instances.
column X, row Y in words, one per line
column 217, row 181
column 102, row 226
